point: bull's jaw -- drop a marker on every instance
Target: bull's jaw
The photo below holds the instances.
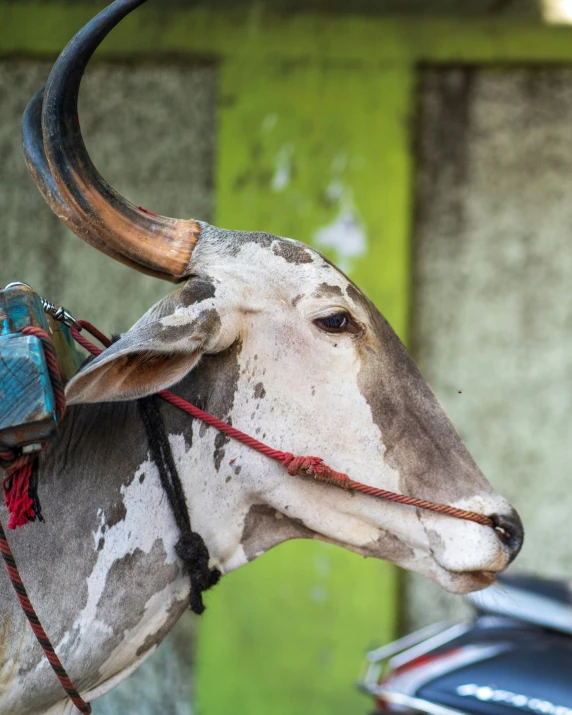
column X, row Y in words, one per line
column 242, row 525
column 406, row 537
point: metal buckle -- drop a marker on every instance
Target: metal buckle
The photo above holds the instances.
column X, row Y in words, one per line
column 59, row 313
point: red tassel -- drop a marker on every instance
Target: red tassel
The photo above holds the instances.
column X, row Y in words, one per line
column 17, row 497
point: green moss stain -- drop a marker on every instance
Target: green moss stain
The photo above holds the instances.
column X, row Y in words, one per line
column 254, row 31
column 317, row 152
column 287, row 633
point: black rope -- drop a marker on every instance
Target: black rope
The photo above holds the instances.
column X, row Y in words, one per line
column 33, row 492
column 190, row 548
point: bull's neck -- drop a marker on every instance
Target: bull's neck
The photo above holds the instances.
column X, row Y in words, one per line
column 102, row 570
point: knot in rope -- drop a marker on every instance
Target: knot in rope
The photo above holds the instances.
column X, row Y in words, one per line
column 314, row 467
column 300, row 466
column 193, row 552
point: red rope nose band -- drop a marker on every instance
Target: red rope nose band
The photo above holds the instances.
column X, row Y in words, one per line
column 313, row 467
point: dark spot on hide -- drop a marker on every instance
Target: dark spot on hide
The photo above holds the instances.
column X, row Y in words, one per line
column 264, row 528
column 297, row 299
column 174, row 613
column 259, row 391
column 292, row 252
column 324, row 290
column 207, row 323
column 437, row 546
column 212, row 386
column 391, row 548
column 196, row 290
column 101, row 544
column 220, row 440
column 127, row 586
column 115, row 514
column 421, row 443
column 355, row 294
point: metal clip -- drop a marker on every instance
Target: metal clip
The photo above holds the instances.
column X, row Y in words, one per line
column 59, row 313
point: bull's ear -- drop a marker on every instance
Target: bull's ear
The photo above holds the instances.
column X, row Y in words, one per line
column 156, row 353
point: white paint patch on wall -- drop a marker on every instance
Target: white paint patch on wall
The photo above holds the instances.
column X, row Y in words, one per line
column 282, row 168
column 269, row 122
column 346, row 235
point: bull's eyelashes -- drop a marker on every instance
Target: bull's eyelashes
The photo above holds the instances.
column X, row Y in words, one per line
column 339, row 322
column 336, row 323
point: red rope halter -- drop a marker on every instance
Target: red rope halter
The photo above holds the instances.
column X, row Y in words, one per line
column 297, row 466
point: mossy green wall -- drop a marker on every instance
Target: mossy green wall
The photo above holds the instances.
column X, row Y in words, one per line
column 315, row 117
column 299, row 145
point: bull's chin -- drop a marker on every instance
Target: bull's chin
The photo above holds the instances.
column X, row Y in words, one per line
column 463, row 582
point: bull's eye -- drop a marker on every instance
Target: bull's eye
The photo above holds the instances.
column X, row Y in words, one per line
column 337, row 323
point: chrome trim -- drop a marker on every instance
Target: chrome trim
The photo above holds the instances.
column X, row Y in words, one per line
column 412, row 639
column 18, row 284
column 430, row 644
column 403, row 650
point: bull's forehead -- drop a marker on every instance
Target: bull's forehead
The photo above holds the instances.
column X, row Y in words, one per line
column 420, row 442
column 270, row 266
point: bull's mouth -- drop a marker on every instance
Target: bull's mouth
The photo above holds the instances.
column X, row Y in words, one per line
column 462, row 582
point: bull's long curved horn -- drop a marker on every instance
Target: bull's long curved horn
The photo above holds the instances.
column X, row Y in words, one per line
column 35, row 156
column 162, row 244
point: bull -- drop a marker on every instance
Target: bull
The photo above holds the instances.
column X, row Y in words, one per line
column 264, row 333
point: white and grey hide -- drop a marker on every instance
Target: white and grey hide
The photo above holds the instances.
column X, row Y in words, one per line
column 243, row 339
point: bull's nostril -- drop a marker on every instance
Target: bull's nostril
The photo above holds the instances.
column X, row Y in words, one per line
column 508, row 528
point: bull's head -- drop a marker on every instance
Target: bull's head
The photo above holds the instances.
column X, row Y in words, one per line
column 292, row 351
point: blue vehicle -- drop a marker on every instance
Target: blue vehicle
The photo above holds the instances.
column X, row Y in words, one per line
column 514, row 656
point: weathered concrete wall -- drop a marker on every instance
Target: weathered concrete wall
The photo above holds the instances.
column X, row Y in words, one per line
column 493, row 303
column 151, row 132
